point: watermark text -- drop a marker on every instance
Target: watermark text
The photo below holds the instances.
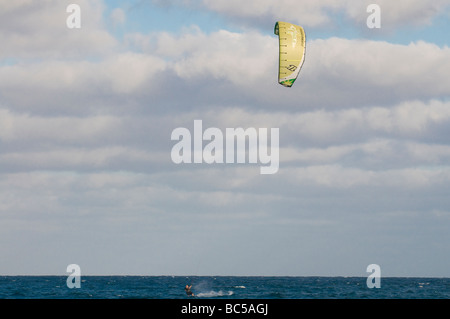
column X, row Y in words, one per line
column 374, row 279
column 74, row 279
column 231, row 147
column 374, row 19
column 73, row 21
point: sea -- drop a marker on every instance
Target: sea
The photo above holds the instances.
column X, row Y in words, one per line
column 221, row 287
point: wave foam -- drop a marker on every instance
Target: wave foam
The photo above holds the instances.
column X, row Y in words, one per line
column 213, row 293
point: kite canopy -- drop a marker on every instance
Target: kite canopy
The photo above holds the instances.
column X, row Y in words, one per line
column 292, row 51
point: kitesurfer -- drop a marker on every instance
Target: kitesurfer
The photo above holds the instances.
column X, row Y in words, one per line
column 188, row 290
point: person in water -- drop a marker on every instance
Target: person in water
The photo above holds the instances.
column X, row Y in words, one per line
column 188, row 290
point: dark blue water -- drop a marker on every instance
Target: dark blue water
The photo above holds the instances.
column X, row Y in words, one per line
column 168, row 287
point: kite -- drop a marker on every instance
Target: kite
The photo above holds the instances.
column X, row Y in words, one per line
column 292, row 41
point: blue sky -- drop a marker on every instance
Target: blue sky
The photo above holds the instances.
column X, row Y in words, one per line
column 145, row 17
column 86, row 117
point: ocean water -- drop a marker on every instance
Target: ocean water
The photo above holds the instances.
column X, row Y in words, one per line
column 221, row 287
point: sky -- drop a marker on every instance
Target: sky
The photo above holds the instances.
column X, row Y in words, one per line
column 86, row 117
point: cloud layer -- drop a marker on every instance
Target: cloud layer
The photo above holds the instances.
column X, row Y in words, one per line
column 312, row 13
column 85, row 125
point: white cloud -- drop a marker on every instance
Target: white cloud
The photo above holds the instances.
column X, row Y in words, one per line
column 409, row 119
column 118, row 16
column 336, row 71
column 17, row 128
column 357, row 71
column 81, row 159
column 78, row 84
column 238, row 57
column 311, row 13
column 371, row 154
column 414, row 117
column 31, row 29
column 339, row 177
column 399, row 13
column 236, row 67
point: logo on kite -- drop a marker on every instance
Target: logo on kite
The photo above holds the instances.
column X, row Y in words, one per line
column 292, row 40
